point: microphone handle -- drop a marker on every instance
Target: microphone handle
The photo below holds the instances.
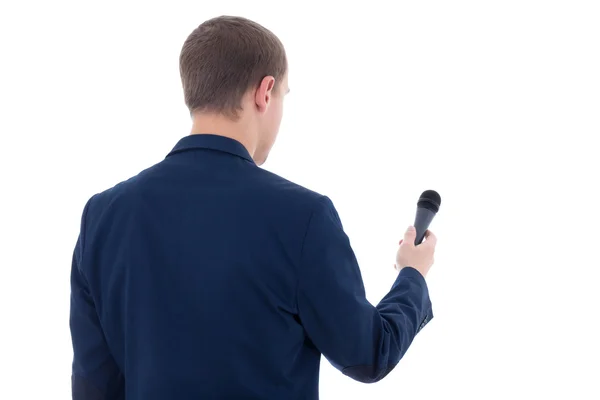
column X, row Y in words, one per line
column 422, row 221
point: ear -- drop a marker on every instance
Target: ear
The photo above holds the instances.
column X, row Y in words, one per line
column 264, row 93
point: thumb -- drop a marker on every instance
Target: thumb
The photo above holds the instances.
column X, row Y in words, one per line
column 410, row 235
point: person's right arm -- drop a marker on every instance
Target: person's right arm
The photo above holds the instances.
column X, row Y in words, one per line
column 363, row 341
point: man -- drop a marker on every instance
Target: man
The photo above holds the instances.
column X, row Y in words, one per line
column 207, row 277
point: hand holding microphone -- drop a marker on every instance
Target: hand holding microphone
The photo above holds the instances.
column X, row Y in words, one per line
column 418, row 257
column 413, row 252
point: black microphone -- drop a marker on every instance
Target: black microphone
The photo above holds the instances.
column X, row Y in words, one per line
column 427, row 206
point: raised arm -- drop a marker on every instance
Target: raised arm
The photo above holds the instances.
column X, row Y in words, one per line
column 363, row 341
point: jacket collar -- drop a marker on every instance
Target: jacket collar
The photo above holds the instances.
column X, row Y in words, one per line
column 212, row 142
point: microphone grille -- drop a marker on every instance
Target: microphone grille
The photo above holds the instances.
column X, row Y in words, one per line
column 431, row 200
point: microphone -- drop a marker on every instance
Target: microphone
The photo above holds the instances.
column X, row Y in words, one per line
column 427, row 206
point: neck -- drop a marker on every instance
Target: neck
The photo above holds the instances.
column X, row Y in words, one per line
column 222, row 126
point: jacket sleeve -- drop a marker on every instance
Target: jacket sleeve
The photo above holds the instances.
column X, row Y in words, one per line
column 363, row 341
column 95, row 375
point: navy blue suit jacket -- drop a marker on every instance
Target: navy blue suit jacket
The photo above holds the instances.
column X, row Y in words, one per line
column 207, row 277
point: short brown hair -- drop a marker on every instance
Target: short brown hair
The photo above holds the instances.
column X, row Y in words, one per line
column 225, row 57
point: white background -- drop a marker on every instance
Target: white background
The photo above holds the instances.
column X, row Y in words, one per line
column 494, row 104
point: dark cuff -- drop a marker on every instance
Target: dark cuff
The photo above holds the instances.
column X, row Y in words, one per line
column 416, row 276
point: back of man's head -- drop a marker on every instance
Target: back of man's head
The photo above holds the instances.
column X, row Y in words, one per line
column 223, row 59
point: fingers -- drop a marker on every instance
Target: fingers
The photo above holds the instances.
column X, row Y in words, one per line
column 410, row 235
column 430, row 238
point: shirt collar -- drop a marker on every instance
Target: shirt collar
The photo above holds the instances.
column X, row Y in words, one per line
column 212, row 142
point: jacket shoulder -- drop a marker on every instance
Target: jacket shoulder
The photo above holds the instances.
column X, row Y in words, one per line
column 285, row 190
